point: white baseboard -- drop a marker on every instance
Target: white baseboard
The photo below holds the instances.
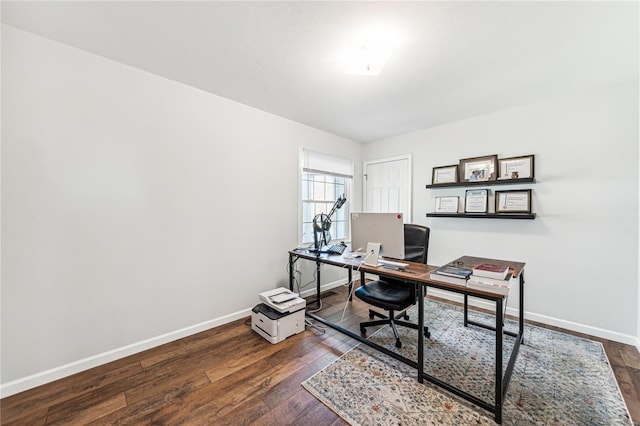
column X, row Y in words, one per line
column 323, row 287
column 34, row 380
column 544, row 319
column 556, row 322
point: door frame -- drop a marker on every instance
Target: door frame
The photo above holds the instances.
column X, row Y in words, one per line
column 409, row 159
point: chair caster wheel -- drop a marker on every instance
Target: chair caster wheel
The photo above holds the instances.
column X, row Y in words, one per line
column 398, row 344
column 371, row 316
column 363, row 331
column 427, row 334
column 406, row 317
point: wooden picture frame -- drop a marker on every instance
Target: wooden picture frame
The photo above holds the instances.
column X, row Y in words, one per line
column 447, row 204
column 478, row 169
column 513, row 201
column 516, row 167
column 445, row 174
column 476, row 201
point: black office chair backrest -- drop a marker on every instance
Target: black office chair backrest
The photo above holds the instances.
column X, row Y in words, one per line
column 416, row 248
column 416, row 243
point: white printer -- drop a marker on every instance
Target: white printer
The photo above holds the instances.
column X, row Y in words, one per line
column 280, row 316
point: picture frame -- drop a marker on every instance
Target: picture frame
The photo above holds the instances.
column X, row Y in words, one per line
column 445, row 174
column 447, row 204
column 516, row 167
column 513, row 201
column 476, row 201
column 478, row 169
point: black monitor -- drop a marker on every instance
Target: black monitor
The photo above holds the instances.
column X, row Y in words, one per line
column 384, row 228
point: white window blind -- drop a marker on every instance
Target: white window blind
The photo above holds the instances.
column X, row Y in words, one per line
column 315, row 162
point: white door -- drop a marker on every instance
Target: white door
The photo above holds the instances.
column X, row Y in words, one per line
column 387, row 186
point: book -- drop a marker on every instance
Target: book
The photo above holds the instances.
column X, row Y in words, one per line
column 451, row 274
column 448, row 279
column 478, row 285
column 494, row 285
column 453, row 271
column 491, row 281
column 489, row 270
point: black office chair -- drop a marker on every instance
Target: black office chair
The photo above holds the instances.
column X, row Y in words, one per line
column 396, row 295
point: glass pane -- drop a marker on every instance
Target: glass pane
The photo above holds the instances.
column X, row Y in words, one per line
column 305, row 188
column 307, row 212
column 338, row 229
column 318, row 208
column 330, row 192
column 307, row 233
column 318, row 191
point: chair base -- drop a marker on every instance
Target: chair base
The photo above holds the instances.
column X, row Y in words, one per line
column 392, row 320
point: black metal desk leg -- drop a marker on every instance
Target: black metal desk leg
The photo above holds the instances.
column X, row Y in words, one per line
column 290, row 272
column 466, row 310
column 498, row 393
column 350, row 285
column 521, row 319
column 420, row 332
column 318, row 283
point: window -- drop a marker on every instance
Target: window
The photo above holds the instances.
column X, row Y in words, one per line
column 324, row 178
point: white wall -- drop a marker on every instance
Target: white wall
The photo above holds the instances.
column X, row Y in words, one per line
column 135, row 209
column 582, row 249
column 128, row 201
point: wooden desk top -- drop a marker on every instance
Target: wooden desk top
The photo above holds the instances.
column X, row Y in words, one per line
column 413, row 272
column 417, row 272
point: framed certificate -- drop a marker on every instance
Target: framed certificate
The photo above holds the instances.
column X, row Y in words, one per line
column 446, row 205
column 446, row 174
column 516, row 201
column 476, row 201
column 515, row 167
column 478, row 168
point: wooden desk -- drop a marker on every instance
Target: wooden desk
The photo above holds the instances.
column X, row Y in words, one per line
column 420, row 274
column 501, row 379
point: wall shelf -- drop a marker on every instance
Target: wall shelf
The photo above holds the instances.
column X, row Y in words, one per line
column 488, row 183
column 485, row 215
column 483, row 183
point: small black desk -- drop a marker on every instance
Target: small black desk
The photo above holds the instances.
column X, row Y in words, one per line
column 420, row 274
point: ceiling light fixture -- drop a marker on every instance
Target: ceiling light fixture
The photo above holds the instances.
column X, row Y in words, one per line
column 368, row 60
column 369, row 51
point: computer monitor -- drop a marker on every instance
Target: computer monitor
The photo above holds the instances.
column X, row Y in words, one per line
column 384, row 228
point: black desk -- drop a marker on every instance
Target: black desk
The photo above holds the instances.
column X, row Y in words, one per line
column 420, row 274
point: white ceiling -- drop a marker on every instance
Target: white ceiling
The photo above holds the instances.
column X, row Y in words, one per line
column 457, row 59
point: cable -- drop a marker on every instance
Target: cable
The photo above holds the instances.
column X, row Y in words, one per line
column 353, row 287
column 312, row 281
column 364, row 260
column 319, row 307
column 310, row 324
column 349, row 297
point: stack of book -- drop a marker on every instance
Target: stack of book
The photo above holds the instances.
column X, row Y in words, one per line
column 490, row 277
column 452, row 274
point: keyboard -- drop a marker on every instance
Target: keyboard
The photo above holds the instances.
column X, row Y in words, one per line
column 397, row 265
column 336, row 249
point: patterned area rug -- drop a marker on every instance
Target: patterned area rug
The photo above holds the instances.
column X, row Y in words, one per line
column 558, row 379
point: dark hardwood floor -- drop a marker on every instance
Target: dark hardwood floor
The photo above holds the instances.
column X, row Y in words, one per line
column 226, row 376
